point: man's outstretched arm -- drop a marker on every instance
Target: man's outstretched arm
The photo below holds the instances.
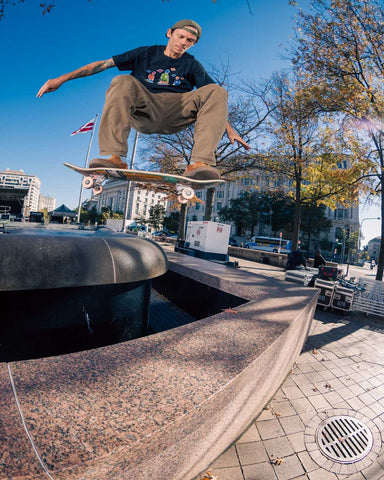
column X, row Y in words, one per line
column 90, row 69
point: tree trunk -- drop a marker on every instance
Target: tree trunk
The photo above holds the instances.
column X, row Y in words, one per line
column 380, row 263
column 308, row 242
column 296, row 220
column 209, row 202
column 182, row 222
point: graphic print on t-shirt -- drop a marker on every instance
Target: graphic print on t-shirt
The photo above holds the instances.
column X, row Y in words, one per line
column 160, row 73
column 164, row 77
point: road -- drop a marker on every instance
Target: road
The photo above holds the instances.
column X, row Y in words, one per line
column 360, row 272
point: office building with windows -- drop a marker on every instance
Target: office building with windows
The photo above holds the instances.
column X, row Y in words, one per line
column 140, row 200
column 342, row 218
column 20, row 191
column 47, row 202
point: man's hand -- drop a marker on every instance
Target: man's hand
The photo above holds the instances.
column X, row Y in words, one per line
column 49, row 86
column 234, row 136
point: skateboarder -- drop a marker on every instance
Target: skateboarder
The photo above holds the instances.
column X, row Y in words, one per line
column 166, row 91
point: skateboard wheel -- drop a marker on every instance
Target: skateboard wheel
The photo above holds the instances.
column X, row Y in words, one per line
column 188, row 193
column 181, row 199
column 97, row 190
column 88, row 182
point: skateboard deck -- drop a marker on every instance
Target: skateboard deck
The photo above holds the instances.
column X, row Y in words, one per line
column 183, row 186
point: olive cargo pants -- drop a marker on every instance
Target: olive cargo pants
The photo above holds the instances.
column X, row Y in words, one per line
column 128, row 104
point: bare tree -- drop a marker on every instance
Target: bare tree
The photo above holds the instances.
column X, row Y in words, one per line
column 247, row 114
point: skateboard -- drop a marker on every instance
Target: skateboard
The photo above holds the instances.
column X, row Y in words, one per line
column 182, row 186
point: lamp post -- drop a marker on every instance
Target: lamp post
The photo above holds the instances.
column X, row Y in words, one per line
column 361, row 225
column 128, row 191
column 265, row 202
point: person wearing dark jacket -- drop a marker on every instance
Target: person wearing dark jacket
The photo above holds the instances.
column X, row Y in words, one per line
column 318, row 260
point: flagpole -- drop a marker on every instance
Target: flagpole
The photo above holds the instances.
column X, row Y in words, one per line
column 85, row 166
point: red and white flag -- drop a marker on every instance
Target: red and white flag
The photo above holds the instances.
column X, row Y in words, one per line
column 87, row 127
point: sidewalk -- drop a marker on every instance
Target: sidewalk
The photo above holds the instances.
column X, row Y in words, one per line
column 339, row 373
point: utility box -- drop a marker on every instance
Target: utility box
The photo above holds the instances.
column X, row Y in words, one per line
column 210, row 238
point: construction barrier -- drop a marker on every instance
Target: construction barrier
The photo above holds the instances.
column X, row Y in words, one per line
column 369, row 297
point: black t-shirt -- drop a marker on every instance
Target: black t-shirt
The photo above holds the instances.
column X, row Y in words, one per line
column 160, row 73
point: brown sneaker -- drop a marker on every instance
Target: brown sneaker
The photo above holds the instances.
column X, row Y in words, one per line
column 112, row 162
column 201, row 171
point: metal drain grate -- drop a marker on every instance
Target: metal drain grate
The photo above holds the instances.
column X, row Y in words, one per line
column 344, row 439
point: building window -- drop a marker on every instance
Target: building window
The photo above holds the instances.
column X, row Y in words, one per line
column 342, row 165
column 246, row 181
column 341, row 213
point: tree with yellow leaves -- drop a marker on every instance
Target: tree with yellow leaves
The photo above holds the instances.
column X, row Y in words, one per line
column 340, row 45
column 306, row 147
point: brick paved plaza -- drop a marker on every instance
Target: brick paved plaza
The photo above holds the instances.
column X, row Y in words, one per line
column 340, row 372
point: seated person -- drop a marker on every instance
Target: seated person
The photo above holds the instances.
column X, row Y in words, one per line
column 295, row 259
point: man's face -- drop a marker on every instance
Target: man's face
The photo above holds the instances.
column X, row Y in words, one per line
column 180, row 40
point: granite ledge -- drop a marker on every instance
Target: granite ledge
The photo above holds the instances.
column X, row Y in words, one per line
column 102, row 257
column 163, row 406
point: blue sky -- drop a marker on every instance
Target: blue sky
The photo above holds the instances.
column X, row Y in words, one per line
column 35, row 133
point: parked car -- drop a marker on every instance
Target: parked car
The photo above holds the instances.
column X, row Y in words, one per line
column 232, row 242
column 159, row 233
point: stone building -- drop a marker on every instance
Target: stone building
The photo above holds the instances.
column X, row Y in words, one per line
column 140, row 200
column 262, row 182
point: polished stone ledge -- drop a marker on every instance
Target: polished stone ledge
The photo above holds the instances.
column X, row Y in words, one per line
column 43, row 258
column 159, row 407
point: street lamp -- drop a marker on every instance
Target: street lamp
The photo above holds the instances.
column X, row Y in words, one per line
column 265, row 202
column 361, row 225
column 124, row 227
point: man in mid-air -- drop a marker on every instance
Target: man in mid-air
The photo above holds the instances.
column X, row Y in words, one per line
column 167, row 90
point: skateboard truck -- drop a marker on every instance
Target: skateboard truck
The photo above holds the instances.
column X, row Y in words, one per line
column 94, row 183
column 184, row 194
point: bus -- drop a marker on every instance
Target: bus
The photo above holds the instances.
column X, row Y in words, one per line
column 270, row 244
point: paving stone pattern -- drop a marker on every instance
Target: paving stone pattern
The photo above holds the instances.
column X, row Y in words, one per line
column 340, row 371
